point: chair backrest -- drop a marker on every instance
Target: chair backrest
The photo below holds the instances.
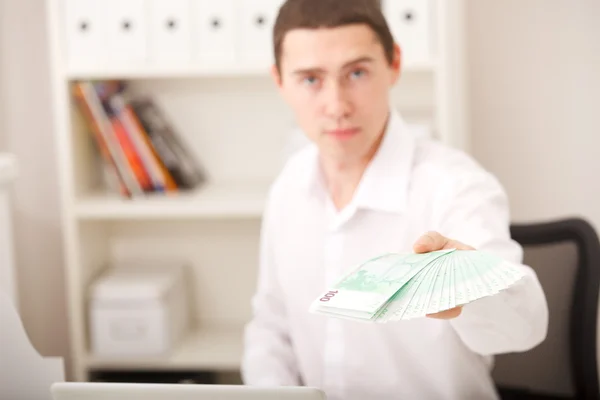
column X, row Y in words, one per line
column 565, row 254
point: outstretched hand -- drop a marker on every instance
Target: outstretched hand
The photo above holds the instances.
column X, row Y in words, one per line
column 433, row 241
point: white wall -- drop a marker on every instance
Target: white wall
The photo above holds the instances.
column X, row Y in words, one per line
column 535, row 102
column 3, row 61
column 26, row 131
column 535, row 96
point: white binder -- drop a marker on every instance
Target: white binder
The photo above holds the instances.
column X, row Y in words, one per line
column 410, row 23
column 215, row 27
column 127, row 31
column 257, row 18
column 85, row 31
column 170, row 34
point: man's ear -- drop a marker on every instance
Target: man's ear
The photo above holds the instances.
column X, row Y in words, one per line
column 396, row 63
column 276, row 75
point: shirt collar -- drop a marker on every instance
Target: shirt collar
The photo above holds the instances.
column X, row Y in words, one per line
column 384, row 185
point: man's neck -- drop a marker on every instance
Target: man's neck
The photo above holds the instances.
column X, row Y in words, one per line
column 342, row 180
column 343, row 177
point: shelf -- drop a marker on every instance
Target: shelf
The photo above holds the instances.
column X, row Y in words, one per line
column 215, row 349
column 193, row 71
column 213, row 200
column 163, row 72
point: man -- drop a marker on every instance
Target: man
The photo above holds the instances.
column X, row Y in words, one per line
column 364, row 186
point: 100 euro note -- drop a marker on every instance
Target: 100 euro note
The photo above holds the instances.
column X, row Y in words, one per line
column 405, row 286
column 365, row 291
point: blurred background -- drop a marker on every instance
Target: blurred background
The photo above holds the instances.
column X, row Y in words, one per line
column 516, row 83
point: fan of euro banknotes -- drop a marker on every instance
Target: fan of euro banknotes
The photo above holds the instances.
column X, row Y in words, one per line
column 395, row 287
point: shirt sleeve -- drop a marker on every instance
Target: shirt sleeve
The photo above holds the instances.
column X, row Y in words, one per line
column 268, row 358
column 474, row 210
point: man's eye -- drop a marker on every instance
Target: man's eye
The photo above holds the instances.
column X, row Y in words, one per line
column 358, row 73
column 310, row 80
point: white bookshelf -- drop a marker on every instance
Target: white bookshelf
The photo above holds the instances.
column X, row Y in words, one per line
column 233, row 120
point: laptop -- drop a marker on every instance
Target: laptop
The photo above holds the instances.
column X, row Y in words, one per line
column 158, row 391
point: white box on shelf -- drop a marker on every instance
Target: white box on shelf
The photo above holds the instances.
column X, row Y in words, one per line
column 257, row 18
column 215, row 39
column 138, row 311
column 127, row 30
column 410, row 23
column 85, row 30
column 170, row 31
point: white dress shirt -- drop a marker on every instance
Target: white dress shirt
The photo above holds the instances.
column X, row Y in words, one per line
column 413, row 185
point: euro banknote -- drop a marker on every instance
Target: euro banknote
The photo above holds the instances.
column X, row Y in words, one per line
column 394, row 286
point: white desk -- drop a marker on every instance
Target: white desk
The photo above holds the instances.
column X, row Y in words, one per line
column 24, row 373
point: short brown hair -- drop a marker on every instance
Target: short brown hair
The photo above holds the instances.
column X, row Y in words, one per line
column 314, row 14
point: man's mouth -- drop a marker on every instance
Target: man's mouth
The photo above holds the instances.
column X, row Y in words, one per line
column 344, row 133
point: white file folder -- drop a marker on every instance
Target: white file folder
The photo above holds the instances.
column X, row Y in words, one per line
column 170, row 34
column 85, row 33
column 215, row 27
column 127, row 31
column 257, row 18
column 410, row 23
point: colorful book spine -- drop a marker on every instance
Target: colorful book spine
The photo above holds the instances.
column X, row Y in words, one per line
column 139, row 148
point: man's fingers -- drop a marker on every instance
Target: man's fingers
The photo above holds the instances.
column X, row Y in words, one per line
column 431, row 241
column 447, row 314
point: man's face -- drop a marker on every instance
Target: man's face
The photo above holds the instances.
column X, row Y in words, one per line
column 337, row 83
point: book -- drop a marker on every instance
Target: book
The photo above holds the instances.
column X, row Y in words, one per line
column 140, row 150
column 186, row 171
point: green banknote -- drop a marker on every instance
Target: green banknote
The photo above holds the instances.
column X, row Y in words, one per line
column 404, row 286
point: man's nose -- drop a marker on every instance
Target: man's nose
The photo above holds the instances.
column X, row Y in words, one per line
column 336, row 101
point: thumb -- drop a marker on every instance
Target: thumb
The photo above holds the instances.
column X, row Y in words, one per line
column 431, row 241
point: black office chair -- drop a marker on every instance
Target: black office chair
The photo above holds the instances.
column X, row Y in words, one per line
column 566, row 256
